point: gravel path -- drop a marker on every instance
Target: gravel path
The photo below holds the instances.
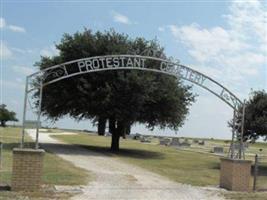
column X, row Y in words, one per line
column 118, row 180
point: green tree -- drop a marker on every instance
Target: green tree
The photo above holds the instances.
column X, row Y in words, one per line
column 121, row 97
column 6, row 115
column 255, row 116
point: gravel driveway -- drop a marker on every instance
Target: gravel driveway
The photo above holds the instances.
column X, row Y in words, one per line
column 115, row 179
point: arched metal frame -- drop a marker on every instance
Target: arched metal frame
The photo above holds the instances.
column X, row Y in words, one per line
column 134, row 62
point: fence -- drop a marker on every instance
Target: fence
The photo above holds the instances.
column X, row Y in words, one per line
column 259, row 171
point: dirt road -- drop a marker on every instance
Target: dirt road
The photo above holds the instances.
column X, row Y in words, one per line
column 115, row 179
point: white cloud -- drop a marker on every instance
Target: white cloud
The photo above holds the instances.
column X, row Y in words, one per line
column 49, row 51
column 235, row 53
column 117, row 17
column 11, row 27
column 23, row 70
column 2, row 22
column 17, row 28
column 22, row 51
column 248, row 19
column 5, row 51
column 161, row 29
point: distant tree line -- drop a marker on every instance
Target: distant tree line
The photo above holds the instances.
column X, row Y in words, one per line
column 6, row 115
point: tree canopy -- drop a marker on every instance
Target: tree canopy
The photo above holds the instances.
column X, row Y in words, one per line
column 6, row 115
column 122, row 97
column 256, row 116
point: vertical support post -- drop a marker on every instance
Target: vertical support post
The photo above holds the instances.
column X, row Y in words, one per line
column 24, row 112
column 39, row 115
column 241, row 145
column 233, row 136
column 1, row 157
column 255, row 172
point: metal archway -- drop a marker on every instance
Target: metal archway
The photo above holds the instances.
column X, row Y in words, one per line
column 135, row 62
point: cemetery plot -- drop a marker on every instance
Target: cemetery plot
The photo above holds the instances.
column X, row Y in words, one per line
column 176, row 163
column 211, row 146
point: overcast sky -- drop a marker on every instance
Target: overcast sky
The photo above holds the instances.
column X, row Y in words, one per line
column 226, row 40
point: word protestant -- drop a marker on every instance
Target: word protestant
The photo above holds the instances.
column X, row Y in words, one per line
column 111, row 62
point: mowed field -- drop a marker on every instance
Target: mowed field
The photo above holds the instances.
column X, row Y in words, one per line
column 195, row 165
column 56, row 170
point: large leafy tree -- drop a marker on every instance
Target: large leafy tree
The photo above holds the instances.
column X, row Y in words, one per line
column 256, row 116
column 6, row 115
column 255, row 123
column 121, row 97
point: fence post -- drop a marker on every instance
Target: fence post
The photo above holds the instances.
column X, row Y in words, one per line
column 255, row 172
column 1, row 159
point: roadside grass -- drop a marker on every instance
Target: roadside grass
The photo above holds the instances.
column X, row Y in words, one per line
column 56, row 170
column 40, row 195
column 246, row 196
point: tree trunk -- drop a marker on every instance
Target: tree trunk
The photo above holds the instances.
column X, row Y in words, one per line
column 115, row 135
column 101, row 127
column 128, row 129
column 3, row 123
column 115, row 141
column 118, row 129
column 111, row 125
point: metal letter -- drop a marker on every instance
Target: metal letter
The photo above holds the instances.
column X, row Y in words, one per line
column 108, row 61
column 129, row 63
column 81, row 66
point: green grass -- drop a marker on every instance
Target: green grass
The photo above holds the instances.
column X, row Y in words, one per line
column 246, row 196
column 56, row 170
column 181, row 166
column 199, row 169
column 40, row 195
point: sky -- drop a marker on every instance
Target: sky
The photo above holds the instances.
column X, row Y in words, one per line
column 226, row 40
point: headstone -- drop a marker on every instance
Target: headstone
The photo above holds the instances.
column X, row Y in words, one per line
column 195, row 141
column 137, row 136
column 145, row 139
column 218, row 150
column 185, row 144
column 175, row 142
column 164, row 141
column 237, row 145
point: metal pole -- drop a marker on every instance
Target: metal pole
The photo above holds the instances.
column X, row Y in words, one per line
column 233, row 136
column 255, row 172
column 24, row 113
column 39, row 115
column 1, row 159
column 241, row 145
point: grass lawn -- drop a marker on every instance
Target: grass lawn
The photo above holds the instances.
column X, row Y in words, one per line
column 246, row 196
column 56, row 170
column 189, row 167
column 181, row 166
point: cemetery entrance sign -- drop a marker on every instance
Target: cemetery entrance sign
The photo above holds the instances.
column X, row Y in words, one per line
column 133, row 62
